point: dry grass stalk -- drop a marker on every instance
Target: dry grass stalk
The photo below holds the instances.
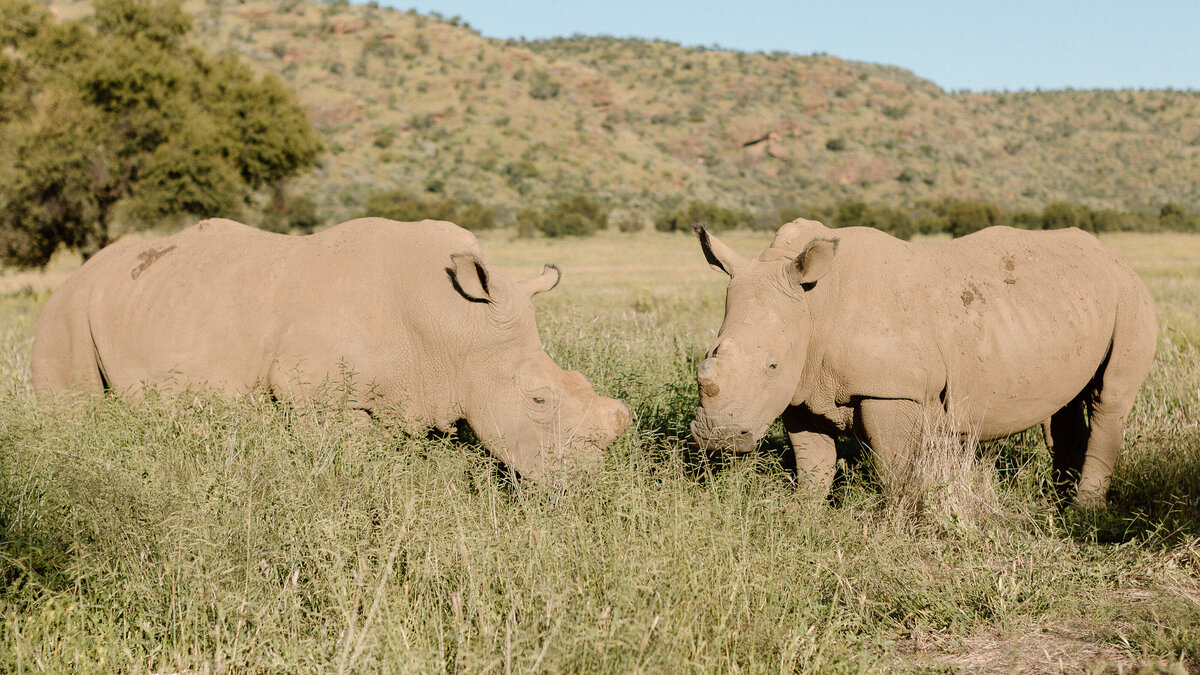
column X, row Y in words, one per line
column 945, row 483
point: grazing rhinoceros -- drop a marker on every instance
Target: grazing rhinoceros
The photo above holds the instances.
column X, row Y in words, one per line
column 854, row 330
column 428, row 331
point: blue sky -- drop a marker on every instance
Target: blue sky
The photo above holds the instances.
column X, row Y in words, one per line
column 971, row 44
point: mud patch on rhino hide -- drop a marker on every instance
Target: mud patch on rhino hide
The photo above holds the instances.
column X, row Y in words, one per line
column 1009, row 264
column 147, row 258
column 970, row 294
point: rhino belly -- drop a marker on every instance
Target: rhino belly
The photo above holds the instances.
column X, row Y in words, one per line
column 1016, row 366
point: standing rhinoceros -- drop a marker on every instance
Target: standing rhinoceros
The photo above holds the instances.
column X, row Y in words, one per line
column 428, row 331
column 857, row 331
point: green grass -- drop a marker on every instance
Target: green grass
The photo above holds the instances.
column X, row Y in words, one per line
column 202, row 534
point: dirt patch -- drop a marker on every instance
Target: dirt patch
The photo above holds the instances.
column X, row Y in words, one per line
column 1043, row 649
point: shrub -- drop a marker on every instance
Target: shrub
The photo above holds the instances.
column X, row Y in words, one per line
column 403, row 206
column 931, row 224
column 895, row 222
column 1173, row 216
column 1107, row 220
column 475, row 216
column 851, row 214
column 541, row 87
column 823, row 214
column 630, row 223
column 574, row 216
column 698, row 212
column 384, row 138
column 970, row 215
column 1059, row 215
column 301, row 214
column 529, row 222
column 1028, row 220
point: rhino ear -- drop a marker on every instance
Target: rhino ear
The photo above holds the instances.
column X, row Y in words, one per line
column 813, row 262
column 469, row 277
column 546, row 281
column 719, row 256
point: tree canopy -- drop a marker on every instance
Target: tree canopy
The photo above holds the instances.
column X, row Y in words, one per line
column 127, row 117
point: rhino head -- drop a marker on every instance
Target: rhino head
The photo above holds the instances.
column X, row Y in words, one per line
column 547, row 423
column 753, row 369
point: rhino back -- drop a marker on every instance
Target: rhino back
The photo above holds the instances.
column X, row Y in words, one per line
column 194, row 307
column 228, row 305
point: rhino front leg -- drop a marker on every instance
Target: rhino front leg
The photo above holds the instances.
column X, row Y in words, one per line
column 892, row 428
column 816, row 454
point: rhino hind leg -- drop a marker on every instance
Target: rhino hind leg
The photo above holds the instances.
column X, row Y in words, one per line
column 1117, row 382
column 1067, row 436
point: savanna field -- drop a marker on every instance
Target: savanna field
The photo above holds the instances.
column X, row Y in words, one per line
column 197, row 534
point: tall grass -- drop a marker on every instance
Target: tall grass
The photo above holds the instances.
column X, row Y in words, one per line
column 948, row 482
column 217, row 535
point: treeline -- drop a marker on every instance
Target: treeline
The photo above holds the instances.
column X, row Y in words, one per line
column 581, row 215
column 952, row 216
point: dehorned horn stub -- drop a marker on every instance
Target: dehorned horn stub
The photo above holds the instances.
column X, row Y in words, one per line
column 546, row 281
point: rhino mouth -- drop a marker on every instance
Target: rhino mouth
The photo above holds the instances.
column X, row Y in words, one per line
column 725, row 438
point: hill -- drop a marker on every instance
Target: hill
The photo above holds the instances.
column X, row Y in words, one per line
column 421, row 103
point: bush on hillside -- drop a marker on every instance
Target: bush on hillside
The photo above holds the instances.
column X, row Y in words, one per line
column 851, row 214
column 701, row 213
column 895, row 222
column 791, row 212
column 577, row 215
column 299, row 215
column 1026, row 220
column 404, row 206
column 630, row 223
column 1059, row 215
column 970, row 215
column 475, row 216
column 1174, row 217
column 528, row 222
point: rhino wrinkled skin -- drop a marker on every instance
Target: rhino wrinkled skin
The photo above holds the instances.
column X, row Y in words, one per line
column 852, row 330
column 426, row 332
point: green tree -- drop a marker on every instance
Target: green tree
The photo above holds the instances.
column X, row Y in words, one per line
column 127, row 114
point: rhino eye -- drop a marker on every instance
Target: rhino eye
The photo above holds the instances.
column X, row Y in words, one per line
column 539, row 400
column 773, row 365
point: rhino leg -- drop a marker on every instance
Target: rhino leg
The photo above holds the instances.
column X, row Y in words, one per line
column 1067, row 439
column 1135, row 338
column 816, row 454
column 892, row 428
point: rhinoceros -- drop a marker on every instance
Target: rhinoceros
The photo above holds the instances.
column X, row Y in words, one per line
column 852, row 330
column 426, row 330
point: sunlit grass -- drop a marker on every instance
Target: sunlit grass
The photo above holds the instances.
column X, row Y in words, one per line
column 212, row 535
